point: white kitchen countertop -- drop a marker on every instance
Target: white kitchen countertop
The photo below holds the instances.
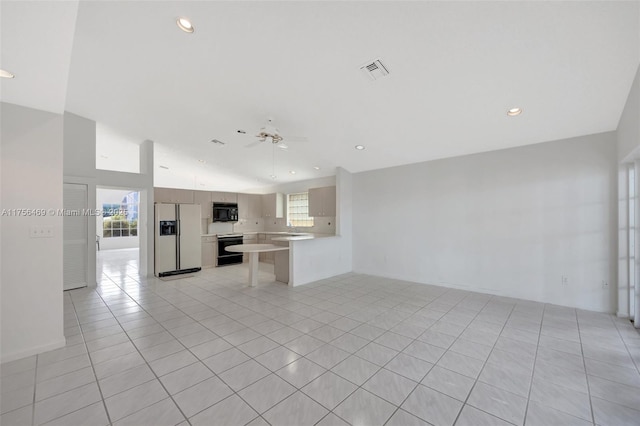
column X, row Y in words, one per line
column 255, row 248
column 294, row 238
column 285, row 236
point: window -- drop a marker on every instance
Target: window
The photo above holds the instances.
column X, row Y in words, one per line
column 298, row 210
column 121, row 220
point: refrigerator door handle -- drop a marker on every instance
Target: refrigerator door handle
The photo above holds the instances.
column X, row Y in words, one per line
column 178, row 244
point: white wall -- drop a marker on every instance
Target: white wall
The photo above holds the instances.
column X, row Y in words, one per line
column 299, row 186
column 629, row 125
column 31, row 178
column 508, row 222
column 79, row 166
column 115, row 150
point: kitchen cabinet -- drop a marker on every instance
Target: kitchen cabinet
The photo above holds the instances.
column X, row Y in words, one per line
column 162, row 195
column 248, row 239
column 173, row 195
column 249, row 206
column 262, row 239
column 273, row 205
column 224, row 197
column 204, row 199
column 208, row 246
column 322, row 201
column 266, row 238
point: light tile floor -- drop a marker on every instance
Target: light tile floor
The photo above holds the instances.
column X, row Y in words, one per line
column 353, row 349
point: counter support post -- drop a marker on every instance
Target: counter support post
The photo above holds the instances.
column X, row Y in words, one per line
column 253, row 268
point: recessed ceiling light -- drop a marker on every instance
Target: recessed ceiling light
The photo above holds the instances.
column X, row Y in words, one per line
column 185, row 25
column 514, row 111
column 316, row 167
column 273, row 177
column 6, row 74
column 359, row 147
column 103, row 156
column 293, row 172
column 202, row 161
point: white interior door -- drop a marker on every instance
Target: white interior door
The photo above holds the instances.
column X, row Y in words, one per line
column 75, row 236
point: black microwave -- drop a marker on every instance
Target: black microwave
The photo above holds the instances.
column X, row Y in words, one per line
column 225, row 212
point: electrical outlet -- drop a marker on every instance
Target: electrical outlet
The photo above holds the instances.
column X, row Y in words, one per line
column 41, row 232
column 564, row 280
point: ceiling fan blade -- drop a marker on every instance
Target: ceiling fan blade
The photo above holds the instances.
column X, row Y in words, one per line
column 252, row 144
column 295, row 138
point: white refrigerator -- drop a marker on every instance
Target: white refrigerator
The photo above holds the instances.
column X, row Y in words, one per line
column 177, row 239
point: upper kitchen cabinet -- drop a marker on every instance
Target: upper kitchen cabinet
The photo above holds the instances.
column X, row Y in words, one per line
column 173, row 195
column 255, row 206
column 204, row 199
column 273, row 205
column 224, row 197
column 322, row 201
column 249, row 206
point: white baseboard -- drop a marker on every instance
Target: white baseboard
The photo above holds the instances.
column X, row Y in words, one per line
column 59, row 343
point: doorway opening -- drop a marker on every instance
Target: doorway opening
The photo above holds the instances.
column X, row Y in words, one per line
column 117, row 232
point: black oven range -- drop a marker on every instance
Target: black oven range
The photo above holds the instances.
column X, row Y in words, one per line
column 226, row 257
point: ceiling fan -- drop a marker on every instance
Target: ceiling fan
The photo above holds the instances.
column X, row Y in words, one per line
column 270, row 133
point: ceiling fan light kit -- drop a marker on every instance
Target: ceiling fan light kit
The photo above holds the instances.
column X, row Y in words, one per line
column 185, row 25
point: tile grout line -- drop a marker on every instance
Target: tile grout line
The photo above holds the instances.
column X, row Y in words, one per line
column 358, row 387
column 104, row 404
column 260, row 415
column 145, row 360
column 464, row 403
column 398, row 407
column 440, row 357
column 243, row 304
column 399, row 352
column 304, row 356
column 35, row 385
column 584, row 365
column 535, row 361
column 626, row 346
column 199, row 360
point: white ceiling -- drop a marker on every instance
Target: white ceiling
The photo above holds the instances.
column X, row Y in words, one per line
column 35, row 45
column 456, row 67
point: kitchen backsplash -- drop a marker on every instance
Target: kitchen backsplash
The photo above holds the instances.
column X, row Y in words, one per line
column 322, row 225
column 249, row 225
column 220, row 228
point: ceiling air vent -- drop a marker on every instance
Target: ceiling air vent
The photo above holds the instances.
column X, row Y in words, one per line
column 217, row 142
column 375, row 69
